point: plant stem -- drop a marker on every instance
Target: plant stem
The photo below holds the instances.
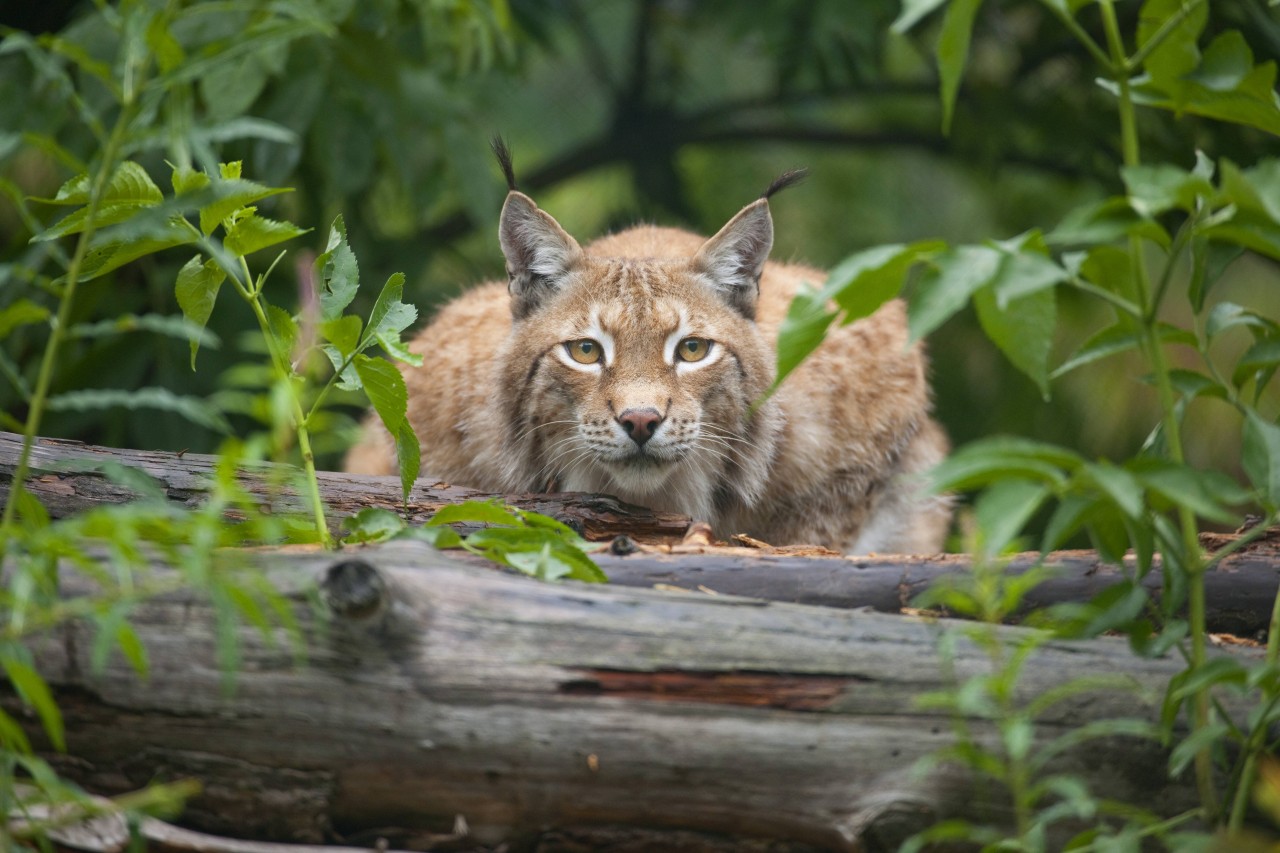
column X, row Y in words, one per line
column 285, row 373
column 1174, row 21
column 1192, row 558
column 62, row 321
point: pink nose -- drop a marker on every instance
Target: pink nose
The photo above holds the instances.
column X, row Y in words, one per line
column 640, row 424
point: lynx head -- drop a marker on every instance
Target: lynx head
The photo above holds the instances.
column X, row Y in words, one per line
column 635, row 372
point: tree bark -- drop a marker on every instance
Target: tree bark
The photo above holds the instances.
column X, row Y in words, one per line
column 1240, row 590
column 549, row 713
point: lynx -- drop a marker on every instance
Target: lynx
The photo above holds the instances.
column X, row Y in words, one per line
column 635, row 366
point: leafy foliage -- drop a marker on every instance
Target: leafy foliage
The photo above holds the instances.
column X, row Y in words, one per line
column 1199, row 214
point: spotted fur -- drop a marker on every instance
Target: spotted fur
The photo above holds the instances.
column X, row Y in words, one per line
column 833, row 458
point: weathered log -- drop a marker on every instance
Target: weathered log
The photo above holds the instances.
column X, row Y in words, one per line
column 439, row 689
column 1240, row 590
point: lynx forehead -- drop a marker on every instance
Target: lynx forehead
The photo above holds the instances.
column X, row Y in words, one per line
column 636, row 366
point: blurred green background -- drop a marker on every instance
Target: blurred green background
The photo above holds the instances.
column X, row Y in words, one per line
column 618, row 111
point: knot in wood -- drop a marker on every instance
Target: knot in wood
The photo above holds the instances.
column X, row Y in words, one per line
column 622, row 545
column 353, row 589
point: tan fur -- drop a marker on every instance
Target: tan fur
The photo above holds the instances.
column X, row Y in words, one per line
column 833, row 458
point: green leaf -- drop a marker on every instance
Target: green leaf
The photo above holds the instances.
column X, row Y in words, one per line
column 372, row 524
column 482, row 512
column 1202, row 738
column 78, row 220
column 1119, row 485
column 234, row 194
column 187, row 180
column 22, row 312
column 1026, row 268
column 408, row 456
column 1262, row 356
column 1068, row 518
column 862, row 282
column 398, row 350
column 912, row 12
column 192, row 408
column 1228, row 315
column 1023, row 331
column 1004, row 509
column 35, row 692
column 1256, row 190
column 1098, row 222
column 802, row 330
column 1260, row 455
column 438, row 537
column 1154, row 189
column 1176, row 56
column 1105, row 342
column 953, row 52
column 112, row 254
column 1206, row 493
column 991, row 459
column 343, row 333
column 129, row 183
column 197, row 291
column 283, row 328
column 1209, row 261
column 386, row 389
column 251, row 234
column 337, row 272
column 956, row 275
column 390, row 316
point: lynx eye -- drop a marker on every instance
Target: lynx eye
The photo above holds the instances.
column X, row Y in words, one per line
column 585, row 351
column 693, row 349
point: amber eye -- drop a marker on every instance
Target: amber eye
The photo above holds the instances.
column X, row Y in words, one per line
column 693, row 349
column 585, row 351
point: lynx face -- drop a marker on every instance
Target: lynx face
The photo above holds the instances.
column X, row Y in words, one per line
column 641, row 384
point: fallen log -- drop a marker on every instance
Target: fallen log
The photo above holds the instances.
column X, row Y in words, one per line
column 540, row 712
column 1240, row 590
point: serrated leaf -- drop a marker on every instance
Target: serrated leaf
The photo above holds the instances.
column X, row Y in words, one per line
column 251, row 234
column 109, row 213
column 408, row 456
column 386, row 389
column 197, row 292
column 187, row 180
column 390, row 316
column 35, row 692
column 337, row 272
column 1262, row 356
column 438, row 537
column 108, row 256
column 953, row 53
column 956, row 275
column 233, row 194
column 400, row 351
column 194, row 409
column 1023, row 330
column 284, row 328
column 128, row 183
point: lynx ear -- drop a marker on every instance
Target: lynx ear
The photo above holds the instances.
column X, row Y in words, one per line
column 733, row 259
column 539, row 253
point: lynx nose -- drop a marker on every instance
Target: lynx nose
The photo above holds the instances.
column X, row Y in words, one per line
column 640, row 424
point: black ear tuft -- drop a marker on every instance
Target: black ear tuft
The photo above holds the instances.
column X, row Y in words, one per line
column 789, row 178
column 503, row 153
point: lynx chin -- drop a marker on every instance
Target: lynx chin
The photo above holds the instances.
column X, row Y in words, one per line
column 630, row 366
